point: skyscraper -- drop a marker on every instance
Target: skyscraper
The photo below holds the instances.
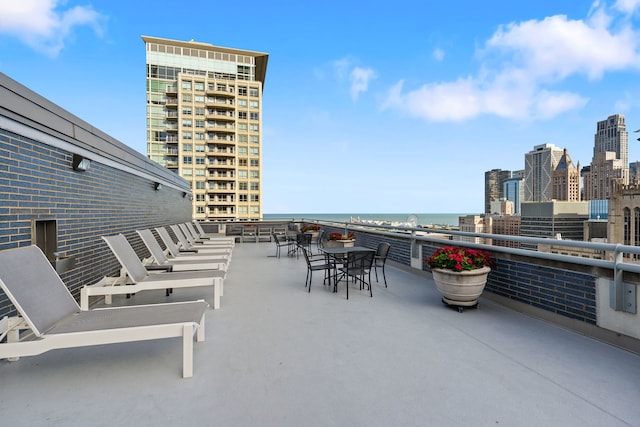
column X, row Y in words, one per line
column 204, row 121
column 566, row 180
column 611, row 135
column 539, row 165
column 493, row 186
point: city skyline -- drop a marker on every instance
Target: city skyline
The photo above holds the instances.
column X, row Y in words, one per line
column 390, row 100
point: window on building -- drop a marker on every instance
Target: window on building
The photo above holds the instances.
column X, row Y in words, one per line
column 200, row 209
column 255, row 186
column 242, row 162
column 187, row 135
column 242, row 151
column 187, row 123
column 186, row 85
column 199, row 99
column 200, row 197
column 254, row 151
column 242, row 210
column 199, row 86
column 242, row 103
column 242, row 138
column 627, row 226
column 254, row 174
column 242, row 115
column 242, row 174
column 200, row 136
column 255, row 163
column 199, row 160
column 254, row 116
column 199, row 111
column 255, row 198
column 200, row 123
column 199, row 148
column 201, row 185
column 186, row 97
column 186, row 111
column 187, row 160
column 242, row 198
column 200, row 172
column 242, row 186
column 254, row 127
column 255, row 210
column 242, row 90
column 254, row 139
column 187, row 148
column 242, row 126
column 253, row 104
column 253, row 91
column 187, row 172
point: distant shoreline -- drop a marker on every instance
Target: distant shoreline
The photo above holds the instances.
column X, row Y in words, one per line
column 423, row 219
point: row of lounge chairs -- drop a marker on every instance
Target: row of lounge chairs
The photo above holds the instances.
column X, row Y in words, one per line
column 55, row 320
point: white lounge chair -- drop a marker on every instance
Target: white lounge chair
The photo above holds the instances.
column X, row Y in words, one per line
column 175, row 252
column 161, row 259
column 199, row 234
column 135, row 278
column 56, row 321
column 194, row 239
column 186, row 243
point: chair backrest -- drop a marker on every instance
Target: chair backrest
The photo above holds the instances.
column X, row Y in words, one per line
column 168, row 241
column 383, row 250
column 191, row 240
column 306, row 253
column 303, row 239
column 181, row 237
column 154, row 247
column 192, row 230
column 199, row 228
column 275, row 238
column 34, row 288
column 127, row 257
column 360, row 260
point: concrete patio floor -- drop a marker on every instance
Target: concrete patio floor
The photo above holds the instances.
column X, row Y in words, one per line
column 276, row 355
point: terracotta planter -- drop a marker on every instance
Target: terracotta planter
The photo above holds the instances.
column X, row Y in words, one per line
column 460, row 289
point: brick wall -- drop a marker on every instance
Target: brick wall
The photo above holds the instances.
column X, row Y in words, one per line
column 37, row 181
column 564, row 292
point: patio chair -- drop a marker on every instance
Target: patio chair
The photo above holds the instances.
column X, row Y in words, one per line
column 135, row 277
column 173, row 252
column 203, row 235
column 303, row 241
column 317, row 263
column 160, row 259
column 358, row 266
column 284, row 243
column 185, row 243
column 194, row 238
column 380, row 259
column 47, row 308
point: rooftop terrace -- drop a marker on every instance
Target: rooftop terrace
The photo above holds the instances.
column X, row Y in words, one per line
column 276, row 355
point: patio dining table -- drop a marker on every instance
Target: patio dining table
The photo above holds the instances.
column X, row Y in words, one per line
column 339, row 256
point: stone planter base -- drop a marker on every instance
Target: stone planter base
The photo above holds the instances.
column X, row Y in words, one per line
column 460, row 289
column 339, row 243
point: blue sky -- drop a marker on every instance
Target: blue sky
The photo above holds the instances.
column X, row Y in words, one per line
column 368, row 106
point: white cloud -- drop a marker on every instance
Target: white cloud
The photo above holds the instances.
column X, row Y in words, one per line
column 43, row 25
column 360, row 78
column 438, row 54
column 523, row 63
column 627, row 6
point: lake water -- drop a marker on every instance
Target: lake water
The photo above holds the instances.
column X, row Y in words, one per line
column 450, row 219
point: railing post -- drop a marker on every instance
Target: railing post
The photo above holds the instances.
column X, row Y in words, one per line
column 616, row 290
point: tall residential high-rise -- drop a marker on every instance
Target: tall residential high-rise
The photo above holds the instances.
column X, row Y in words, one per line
column 611, row 135
column 539, row 165
column 493, row 186
column 204, row 121
column 566, row 180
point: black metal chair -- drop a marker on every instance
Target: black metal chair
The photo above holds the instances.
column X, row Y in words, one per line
column 282, row 244
column 317, row 263
column 380, row 259
column 358, row 266
column 303, row 241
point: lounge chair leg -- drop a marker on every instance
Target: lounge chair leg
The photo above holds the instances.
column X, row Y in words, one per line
column 200, row 334
column 13, row 336
column 167, row 293
column 187, row 351
column 216, row 295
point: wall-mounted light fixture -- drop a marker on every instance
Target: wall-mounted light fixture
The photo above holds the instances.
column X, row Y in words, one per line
column 158, row 186
column 80, row 163
column 184, row 194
